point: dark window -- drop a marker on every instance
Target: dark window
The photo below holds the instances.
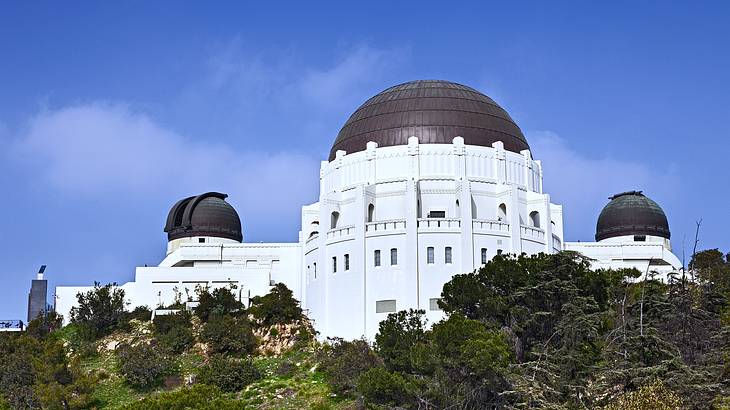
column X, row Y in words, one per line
column 315, row 270
column 447, row 254
column 201, row 240
column 377, row 258
column 499, row 251
column 429, row 255
column 484, row 256
column 394, row 256
column 371, row 212
column 639, row 238
column 437, row 214
column 334, row 264
column 347, row 261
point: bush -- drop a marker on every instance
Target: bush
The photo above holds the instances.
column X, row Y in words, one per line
column 228, row 374
column 276, row 307
column 41, row 326
column 99, row 310
column 227, row 334
column 141, row 313
column 219, row 302
column 342, row 362
column 174, row 332
column 379, row 386
column 201, row 397
column 396, row 337
column 142, row 365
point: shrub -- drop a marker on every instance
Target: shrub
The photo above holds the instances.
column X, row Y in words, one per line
column 228, row 374
column 227, row 334
column 276, row 307
column 99, row 310
column 141, row 313
column 41, row 326
column 342, row 362
column 219, row 302
column 379, row 386
column 174, row 332
column 201, row 397
column 142, row 365
column 396, row 337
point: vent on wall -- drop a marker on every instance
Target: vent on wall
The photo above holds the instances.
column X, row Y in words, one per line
column 385, row 306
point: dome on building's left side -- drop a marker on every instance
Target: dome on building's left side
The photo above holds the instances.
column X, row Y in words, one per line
column 207, row 214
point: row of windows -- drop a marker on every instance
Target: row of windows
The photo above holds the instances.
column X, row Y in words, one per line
column 430, row 257
column 389, row 305
column 501, row 215
column 393, row 257
column 334, row 263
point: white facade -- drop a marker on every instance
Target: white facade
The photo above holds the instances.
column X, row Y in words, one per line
column 652, row 254
column 431, row 211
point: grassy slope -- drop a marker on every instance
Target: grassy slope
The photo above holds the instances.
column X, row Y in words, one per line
column 301, row 387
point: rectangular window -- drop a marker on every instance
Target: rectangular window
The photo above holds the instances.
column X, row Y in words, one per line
column 433, row 304
column 334, row 264
column 347, row 261
column 385, row 306
column 377, row 258
column 429, row 255
column 201, row 240
column 315, row 270
column 437, row 214
column 394, row 256
column 484, row 256
column 639, row 238
column 447, row 254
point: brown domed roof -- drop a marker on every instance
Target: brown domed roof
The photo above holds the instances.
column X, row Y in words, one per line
column 203, row 215
column 435, row 111
column 631, row 213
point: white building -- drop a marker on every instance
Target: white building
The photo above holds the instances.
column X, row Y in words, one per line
column 632, row 232
column 426, row 180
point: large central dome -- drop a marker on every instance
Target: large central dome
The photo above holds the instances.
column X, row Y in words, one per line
column 435, row 111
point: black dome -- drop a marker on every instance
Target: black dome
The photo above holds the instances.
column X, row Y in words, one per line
column 203, row 215
column 435, row 111
column 631, row 213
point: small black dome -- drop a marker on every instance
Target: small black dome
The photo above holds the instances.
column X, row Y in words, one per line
column 631, row 213
column 203, row 215
column 435, row 111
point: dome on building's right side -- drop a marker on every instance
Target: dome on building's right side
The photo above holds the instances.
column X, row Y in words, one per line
column 631, row 213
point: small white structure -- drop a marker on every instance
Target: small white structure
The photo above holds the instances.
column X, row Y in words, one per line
column 632, row 232
column 426, row 180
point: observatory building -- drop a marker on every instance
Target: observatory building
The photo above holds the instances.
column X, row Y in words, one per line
column 426, row 180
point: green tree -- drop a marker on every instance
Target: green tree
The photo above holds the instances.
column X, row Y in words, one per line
column 276, row 307
column 99, row 310
column 396, row 337
column 227, row 373
column 142, row 365
column 342, row 362
column 229, row 335
column 219, row 302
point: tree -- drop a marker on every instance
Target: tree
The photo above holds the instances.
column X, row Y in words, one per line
column 228, row 374
column 229, row 335
column 99, row 310
column 219, row 302
column 174, row 332
column 276, row 307
column 342, row 362
column 397, row 335
column 142, row 365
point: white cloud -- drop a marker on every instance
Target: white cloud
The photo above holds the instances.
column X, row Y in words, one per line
column 110, row 150
column 582, row 184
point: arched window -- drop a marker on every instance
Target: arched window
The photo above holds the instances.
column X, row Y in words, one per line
column 458, row 210
column 535, row 219
column 502, row 212
column 334, row 218
column 371, row 212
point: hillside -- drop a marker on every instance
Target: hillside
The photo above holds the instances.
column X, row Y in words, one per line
column 522, row 332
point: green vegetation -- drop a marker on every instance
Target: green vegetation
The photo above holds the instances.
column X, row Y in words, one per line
column 522, row 332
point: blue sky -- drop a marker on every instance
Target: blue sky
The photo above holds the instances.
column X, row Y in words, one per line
column 111, row 111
